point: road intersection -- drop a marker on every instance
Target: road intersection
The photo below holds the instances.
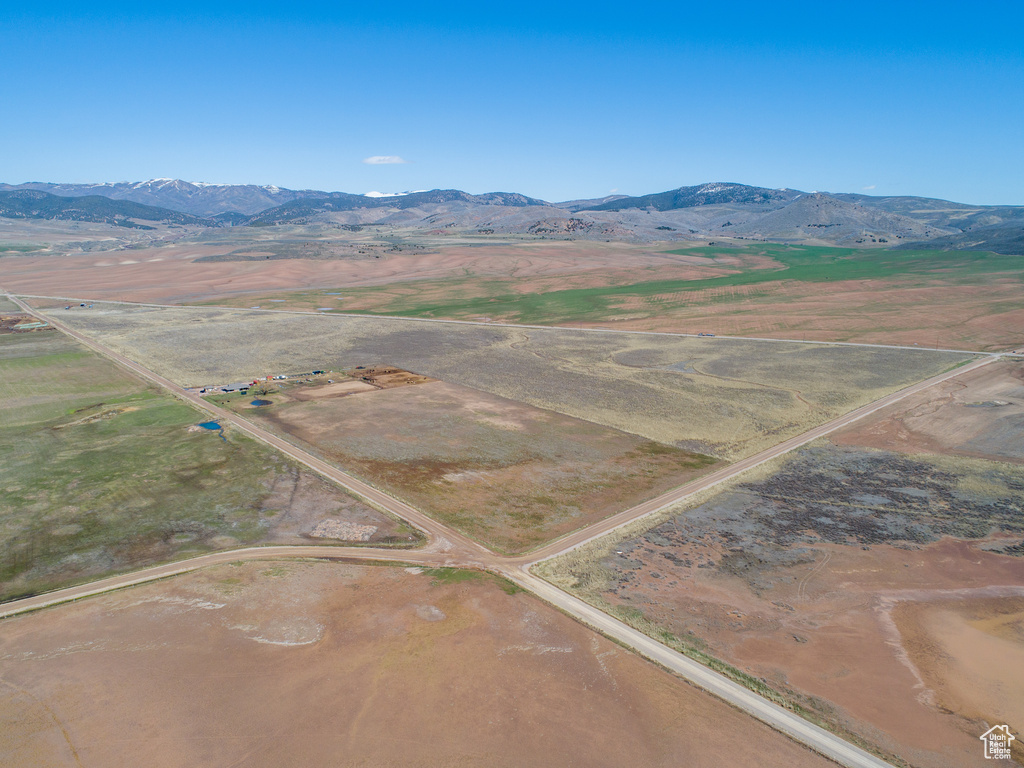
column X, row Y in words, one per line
column 449, row 548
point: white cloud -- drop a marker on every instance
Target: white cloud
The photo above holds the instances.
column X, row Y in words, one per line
column 613, row 191
column 869, row 186
column 385, row 160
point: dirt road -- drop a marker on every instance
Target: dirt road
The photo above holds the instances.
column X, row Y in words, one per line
column 451, row 548
column 603, row 527
column 519, row 326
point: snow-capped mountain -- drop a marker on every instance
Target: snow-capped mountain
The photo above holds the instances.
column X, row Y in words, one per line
column 198, row 198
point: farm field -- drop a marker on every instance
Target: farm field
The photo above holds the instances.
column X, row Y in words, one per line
column 833, row 575
column 297, row 663
column 508, row 474
column 959, row 299
column 101, row 473
column 192, row 270
column 722, row 397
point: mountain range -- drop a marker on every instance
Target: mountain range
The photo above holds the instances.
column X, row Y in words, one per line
column 702, row 211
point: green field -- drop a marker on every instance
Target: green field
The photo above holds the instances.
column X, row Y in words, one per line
column 19, row 248
column 6, row 305
column 498, row 298
column 100, row 473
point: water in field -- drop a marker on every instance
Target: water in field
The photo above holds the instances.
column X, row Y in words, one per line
column 259, row 403
column 213, row 426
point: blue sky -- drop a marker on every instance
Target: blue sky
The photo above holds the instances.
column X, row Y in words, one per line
column 555, row 100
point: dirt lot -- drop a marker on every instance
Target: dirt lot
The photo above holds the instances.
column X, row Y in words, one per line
column 979, row 414
column 509, row 474
column 829, row 579
column 100, row 474
column 338, row 389
column 724, row 397
column 21, row 323
column 387, row 376
column 306, row 664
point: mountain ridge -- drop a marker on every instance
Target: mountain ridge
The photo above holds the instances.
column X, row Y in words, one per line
column 705, row 211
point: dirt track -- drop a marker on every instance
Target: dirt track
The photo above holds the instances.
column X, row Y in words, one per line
column 451, row 548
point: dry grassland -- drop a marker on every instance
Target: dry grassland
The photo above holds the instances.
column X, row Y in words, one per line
column 722, row 397
column 827, row 578
column 100, row 473
column 303, row 664
column 510, row 475
column 184, row 272
column 901, row 312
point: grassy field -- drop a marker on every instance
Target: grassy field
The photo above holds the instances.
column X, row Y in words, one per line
column 7, row 248
column 769, row 274
column 722, row 397
column 101, row 473
column 796, row 263
column 6, row 305
column 510, row 475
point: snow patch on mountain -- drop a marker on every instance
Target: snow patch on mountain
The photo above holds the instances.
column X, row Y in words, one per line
column 392, row 194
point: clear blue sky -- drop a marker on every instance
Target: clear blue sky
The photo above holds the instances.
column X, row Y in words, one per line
column 555, row 100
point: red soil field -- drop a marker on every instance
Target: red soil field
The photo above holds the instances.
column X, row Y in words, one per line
column 979, row 414
column 306, row 664
column 831, row 632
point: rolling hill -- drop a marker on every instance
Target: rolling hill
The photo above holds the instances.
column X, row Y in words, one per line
column 32, row 204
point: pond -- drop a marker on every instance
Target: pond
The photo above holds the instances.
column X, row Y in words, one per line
column 258, row 403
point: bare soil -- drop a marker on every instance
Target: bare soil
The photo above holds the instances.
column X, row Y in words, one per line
column 970, row 655
column 979, row 414
column 304, row 664
column 21, row 323
column 387, row 376
column 338, row 389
